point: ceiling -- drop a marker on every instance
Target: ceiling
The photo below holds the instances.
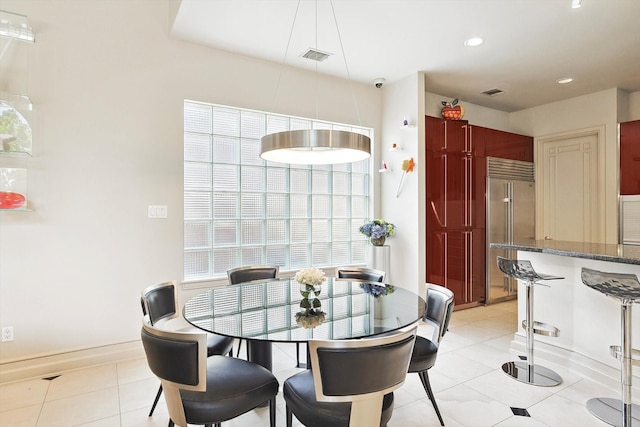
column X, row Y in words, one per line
column 529, row 44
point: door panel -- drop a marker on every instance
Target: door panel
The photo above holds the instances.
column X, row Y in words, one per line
column 524, row 210
column 436, row 257
column 570, row 210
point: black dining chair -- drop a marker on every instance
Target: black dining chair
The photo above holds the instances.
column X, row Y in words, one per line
column 361, row 274
column 249, row 274
column 437, row 313
column 205, row 390
column 351, row 382
column 159, row 303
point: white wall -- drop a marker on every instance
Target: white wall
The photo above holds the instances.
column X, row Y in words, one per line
column 401, row 101
column 634, row 106
column 475, row 114
column 108, row 83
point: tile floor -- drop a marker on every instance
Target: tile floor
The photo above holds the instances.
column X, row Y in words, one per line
column 470, row 388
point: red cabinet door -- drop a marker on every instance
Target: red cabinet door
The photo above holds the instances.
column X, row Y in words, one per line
column 448, row 135
column 450, row 190
column 505, row 145
column 436, row 257
column 455, row 260
column 630, row 158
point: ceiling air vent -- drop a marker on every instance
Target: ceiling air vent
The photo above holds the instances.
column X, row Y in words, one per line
column 493, row 92
column 315, row 55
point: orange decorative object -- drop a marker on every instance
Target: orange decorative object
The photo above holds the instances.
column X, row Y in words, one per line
column 10, row 200
column 453, row 113
column 408, row 165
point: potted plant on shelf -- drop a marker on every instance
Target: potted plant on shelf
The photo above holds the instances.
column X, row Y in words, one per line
column 377, row 231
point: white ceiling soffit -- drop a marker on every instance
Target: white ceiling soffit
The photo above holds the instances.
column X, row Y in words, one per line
column 529, row 44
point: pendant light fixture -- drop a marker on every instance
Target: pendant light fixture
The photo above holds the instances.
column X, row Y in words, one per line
column 316, row 146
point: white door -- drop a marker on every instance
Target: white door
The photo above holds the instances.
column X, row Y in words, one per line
column 570, row 189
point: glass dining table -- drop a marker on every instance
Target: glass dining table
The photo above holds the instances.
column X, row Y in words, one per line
column 281, row 310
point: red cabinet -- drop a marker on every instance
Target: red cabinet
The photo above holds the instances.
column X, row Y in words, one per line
column 456, row 201
column 630, row 158
column 505, row 145
column 456, row 260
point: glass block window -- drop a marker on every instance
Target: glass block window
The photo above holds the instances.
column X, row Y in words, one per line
column 240, row 210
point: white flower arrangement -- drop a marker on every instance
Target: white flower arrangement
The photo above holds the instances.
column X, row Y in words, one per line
column 310, row 276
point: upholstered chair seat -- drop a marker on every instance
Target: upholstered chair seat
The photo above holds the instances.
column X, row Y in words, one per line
column 425, row 353
column 300, row 393
column 244, row 386
column 203, row 390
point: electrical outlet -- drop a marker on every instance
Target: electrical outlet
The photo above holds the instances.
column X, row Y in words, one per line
column 7, row 334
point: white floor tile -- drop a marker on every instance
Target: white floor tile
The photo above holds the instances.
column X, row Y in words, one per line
column 82, row 381
column 560, row 411
column 80, row 409
column 471, row 408
column 26, row 416
column 22, row 394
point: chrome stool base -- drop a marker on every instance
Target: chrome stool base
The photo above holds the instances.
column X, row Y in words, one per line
column 531, row 374
column 610, row 411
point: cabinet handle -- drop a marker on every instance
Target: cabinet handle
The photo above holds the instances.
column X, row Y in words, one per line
column 444, row 183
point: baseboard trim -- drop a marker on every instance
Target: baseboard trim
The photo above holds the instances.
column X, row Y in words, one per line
column 56, row 364
column 603, row 373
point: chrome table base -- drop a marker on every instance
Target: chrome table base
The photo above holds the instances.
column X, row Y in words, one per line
column 531, row 374
column 610, row 411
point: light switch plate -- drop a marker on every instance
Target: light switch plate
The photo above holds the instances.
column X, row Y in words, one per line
column 157, row 211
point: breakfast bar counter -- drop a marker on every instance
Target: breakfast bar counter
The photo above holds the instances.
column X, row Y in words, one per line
column 589, row 322
column 625, row 254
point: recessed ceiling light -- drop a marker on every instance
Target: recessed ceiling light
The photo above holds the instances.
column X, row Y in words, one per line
column 564, row 80
column 576, row 3
column 474, row 41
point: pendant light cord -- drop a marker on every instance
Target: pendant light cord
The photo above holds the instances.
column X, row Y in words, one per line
column 344, row 57
column 346, row 66
column 284, row 58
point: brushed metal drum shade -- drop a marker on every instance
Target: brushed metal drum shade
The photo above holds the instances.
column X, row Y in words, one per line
column 315, row 147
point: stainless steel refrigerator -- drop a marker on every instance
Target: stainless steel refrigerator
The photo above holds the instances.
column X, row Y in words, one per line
column 510, row 218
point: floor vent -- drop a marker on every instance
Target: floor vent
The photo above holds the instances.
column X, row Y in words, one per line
column 521, row 412
column 315, row 55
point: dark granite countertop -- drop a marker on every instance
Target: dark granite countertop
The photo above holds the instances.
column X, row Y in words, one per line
column 626, row 254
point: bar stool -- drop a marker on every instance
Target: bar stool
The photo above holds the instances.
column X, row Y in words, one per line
column 626, row 289
column 528, row 372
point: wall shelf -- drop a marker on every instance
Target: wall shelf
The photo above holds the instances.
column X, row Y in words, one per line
column 15, row 114
column 16, row 27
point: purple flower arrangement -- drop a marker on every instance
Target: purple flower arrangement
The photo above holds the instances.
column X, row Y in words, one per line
column 377, row 290
column 378, row 228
